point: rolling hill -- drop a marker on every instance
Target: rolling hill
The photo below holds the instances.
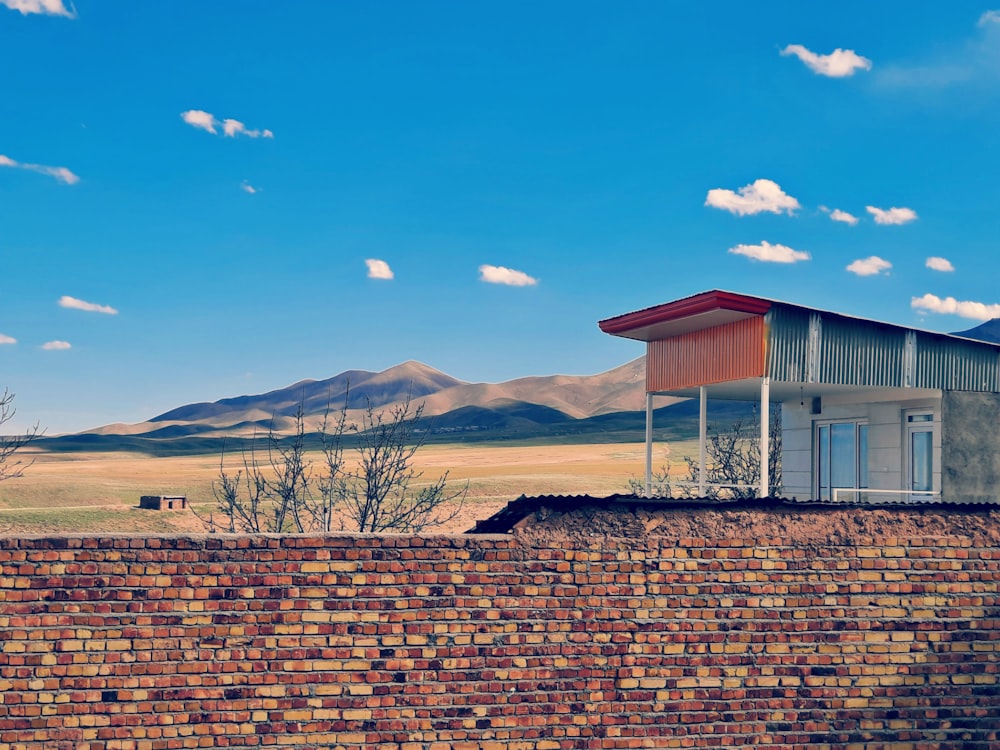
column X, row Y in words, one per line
column 378, row 388
column 450, row 401
column 988, row 331
column 607, row 407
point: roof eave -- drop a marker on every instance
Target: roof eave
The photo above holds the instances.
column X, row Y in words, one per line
column 640, row 324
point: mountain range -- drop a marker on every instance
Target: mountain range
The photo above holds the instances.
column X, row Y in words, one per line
column 444, row 398
column 608, row 406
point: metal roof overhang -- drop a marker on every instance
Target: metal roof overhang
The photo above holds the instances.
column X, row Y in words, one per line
column 693, row 313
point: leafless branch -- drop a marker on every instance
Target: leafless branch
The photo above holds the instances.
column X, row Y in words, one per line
column 380, row 494
column 733, row 458
column 10, row 466
column 384, row 492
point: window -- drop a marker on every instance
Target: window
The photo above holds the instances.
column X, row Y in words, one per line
column 920, row 451
column 841, row 458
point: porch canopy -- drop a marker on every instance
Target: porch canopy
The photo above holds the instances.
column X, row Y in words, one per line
column 735, row 346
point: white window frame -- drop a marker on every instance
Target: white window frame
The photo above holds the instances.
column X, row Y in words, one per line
column 860, row 461
column 910, row 427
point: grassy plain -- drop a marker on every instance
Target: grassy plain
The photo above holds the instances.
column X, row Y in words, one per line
column 99, row 492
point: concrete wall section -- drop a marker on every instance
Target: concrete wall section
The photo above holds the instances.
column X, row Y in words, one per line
column 970, row 456
column 799, row 634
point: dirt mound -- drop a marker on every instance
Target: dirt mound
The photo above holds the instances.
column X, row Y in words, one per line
column 587, row 525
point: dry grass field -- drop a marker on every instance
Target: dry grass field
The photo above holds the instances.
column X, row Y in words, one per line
column 99, row 492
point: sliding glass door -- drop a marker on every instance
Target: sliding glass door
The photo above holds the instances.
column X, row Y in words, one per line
column 841, row 458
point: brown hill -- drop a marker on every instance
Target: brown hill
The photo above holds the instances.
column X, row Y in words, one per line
column 575, row 396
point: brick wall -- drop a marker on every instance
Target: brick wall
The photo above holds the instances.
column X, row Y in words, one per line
column 479, row 642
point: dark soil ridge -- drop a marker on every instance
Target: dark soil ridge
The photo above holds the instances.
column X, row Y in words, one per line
column 767, row 521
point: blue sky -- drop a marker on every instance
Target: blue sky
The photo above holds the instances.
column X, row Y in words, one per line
column 205, row 199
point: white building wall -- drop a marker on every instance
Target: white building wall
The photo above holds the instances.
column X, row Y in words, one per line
column 885, row 447
column 886, row 442
column 796, row 451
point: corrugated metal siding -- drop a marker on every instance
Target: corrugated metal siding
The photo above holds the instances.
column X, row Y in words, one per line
column 714, row 355
column 788, row 341
column 858, row 353
column 792, row 344
column 863, row 353
column 956, row 365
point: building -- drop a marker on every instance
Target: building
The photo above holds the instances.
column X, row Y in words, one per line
column 869, row 411
column 163, row 502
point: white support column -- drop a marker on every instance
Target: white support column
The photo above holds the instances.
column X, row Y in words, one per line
column 702, row 437
column 649, row 444
column 765, row 436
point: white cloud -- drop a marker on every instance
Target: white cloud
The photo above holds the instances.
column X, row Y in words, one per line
column 199, row 118
column 78, row 304
column 7, row 339
column 952, row 306
column 760, row 196
column 60, row 173
column 246, row 187
column 838, row 64
column 508, row 276
column 990, row 16
column 892, row 215
column 843, row 217
column 939, row 264
column 768, row 253
column 870, row 266
column 52, row 346
column 43, row 7
column 233, row 128
column 378, row 269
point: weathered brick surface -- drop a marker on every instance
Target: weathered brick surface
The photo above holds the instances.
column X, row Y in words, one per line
column 476, row 642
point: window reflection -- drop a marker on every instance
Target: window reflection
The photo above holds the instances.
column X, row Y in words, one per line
column 921, row 461
column 841, row 457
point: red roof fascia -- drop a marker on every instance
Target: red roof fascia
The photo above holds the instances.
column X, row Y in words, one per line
column 683, row 308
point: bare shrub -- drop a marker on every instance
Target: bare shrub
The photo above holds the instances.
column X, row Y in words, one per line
column 660, row 484
column 287, row 491
column 12, row 467
column 382, row 493
column 732, row 464
column 733, row 459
